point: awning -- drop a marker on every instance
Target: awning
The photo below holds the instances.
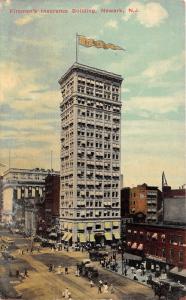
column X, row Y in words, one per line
column 107, row 225
column 177, row 272
column 82, row 238
column 64, row 236
column 163, row 236
column 81, row 226
column 141, row 232
column 116, row 224
column 116, row 235
column 108, row 236
column 134, row 246
column 140, row 247
column 69, row 235
column 130, row 256
column 155, row 235
column 92, row 238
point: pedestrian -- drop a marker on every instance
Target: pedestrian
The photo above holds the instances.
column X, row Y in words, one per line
column 99, row 289
column 66, row 270
column 17, row 273
column 101, row 282
column 125, row 272
column 77, row 273
column 91, row 283
column 149, row 280
column 50, row 268
column 111, row 288
column 139, row 272
column 66, row 293
column 105, row 288
column 132, row 269
column 26, row 273
column 135, row 277
column 27, row 250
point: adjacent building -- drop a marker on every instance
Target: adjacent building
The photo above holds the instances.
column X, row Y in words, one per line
column 126, row 217
column 22, row 190
column 159, row 244
column 174, row 205
column 90, row 154
column 146, row 200
column 52, row 194
column 1, row 197
column 163, row 245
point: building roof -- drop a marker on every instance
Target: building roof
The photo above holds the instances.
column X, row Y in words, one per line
column 35, row 171
column 160, row 225
column 95, row 71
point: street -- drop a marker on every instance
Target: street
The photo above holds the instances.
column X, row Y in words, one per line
column 44, row 285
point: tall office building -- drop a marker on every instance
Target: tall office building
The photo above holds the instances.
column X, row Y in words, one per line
column 90, row 155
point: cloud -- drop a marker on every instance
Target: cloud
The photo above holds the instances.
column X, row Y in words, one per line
column 4, row 3
column 27, row 19
column 112, row 24
column 154, row 104
column 16, row 82
column 159, row 68
column 149, row 147
column 150, row 15
column 8, row 79
column 46, row 43
column 31, row 141
column 156, row 70
column 17, row 85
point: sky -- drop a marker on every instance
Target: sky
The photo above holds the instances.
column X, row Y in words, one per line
column 37, row 48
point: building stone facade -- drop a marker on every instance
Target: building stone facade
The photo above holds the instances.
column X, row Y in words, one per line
column 90, row 155
column 21, row 190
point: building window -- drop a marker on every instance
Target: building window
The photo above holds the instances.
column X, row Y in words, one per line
column 98, row 226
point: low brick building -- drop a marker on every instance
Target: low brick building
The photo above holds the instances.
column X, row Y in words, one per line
column 163, row 245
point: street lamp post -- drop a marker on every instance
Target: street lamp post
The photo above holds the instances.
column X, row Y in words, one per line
column 122, row 250
column 122, row 261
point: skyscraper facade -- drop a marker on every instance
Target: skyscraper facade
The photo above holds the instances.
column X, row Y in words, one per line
column 90, row 155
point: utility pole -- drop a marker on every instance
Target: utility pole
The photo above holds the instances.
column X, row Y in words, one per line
column 51, row 154
column 9, row 159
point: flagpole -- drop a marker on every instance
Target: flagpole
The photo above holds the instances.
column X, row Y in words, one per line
column 76, row 47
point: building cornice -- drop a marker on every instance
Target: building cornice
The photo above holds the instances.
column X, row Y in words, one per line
column 91, row 70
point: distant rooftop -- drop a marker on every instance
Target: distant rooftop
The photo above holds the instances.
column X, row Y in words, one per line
column 35, row 170
column 160, row 225
column 78, row 66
